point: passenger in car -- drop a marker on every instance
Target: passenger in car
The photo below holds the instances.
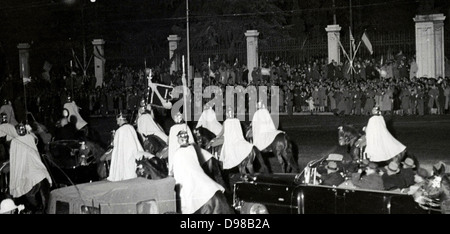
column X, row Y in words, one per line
column 420, row 176
column 369, row 178
column 333, row 176
column 407, row 171
column 392, row 179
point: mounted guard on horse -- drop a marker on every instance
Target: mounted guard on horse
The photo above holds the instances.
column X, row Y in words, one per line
column 267, row 138
column 374, row 142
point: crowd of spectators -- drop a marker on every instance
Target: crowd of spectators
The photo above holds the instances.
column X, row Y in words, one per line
column 312, row 87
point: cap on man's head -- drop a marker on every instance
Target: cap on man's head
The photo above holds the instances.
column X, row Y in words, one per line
column 409, row 162
column 393, row 167
column 372, row 165
column 332, row 165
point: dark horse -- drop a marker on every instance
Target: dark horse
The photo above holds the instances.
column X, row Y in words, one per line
column 152, row 168
column 355, row 140
column 154, row 145
column 35, row 200
column 437, row 190
column 206, row 139
column 281, row 147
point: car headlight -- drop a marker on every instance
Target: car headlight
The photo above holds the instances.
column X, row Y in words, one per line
column 254, row 208
column 90, row 210
column 147, row 207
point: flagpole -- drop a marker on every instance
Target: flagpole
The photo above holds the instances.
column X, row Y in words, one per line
column 24, row 93
column 25, row 100
column 183, row 80
column 187, row 38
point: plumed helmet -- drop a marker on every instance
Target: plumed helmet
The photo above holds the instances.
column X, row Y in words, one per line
column 178, row 117
column 65, row 113
column 376, row 110
column 4, row 118
column 230, row 112
column 183, row 135
column 207, row 106
column 121, row 116
column 260, row 105
column 21, row 129
column 142, row 103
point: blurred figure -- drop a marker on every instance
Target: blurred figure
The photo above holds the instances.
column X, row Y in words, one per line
column 7, row 206
column 9, row 111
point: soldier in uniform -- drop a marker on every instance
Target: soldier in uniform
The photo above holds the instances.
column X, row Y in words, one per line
column 9, row 111
column 198, row 193
column 126, row 149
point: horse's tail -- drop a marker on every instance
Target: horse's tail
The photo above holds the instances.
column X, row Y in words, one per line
column 290, row 155
column 258, row 155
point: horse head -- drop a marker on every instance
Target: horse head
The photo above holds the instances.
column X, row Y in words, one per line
column 437, row 188
column 151, row 168
column 248, row 132
column 153, row 144
column 203, row 136
column 348, row 135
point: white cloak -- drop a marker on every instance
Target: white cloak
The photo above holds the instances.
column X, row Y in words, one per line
column 209, row 121
column 235, row 148
column 8, row 130
column 126, row 150
column 263, row 129
column 381, row 145
column 147, row 126
column 73, row 110
column 173, row 141
column 26, row 166
column 196, row 188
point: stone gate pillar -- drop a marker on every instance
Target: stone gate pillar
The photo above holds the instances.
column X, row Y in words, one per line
column 173, row 45
column 24, row 60
column 334, row 50
column 99, row 61
column 252, row 51
column 430, row 45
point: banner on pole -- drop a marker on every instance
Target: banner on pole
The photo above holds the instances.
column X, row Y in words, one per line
column 367, row 42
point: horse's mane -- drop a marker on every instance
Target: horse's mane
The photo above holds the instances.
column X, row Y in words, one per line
column 153, row 144
column 152, row 168
column 351, row 130
column 206, row 133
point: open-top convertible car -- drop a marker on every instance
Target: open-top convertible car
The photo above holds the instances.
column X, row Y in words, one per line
column 301, row 193
column 133, row 196
column 68, row 165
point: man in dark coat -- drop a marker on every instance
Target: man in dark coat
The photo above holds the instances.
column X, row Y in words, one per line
column 333, row 177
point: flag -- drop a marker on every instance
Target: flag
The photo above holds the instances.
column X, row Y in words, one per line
column 98, row 55
column 211, row 73
column 26, row 80
column 367, row 43
column 352, row 40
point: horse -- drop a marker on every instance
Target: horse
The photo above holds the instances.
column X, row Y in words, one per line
column 437, row 190
column 355, row 140
column 154, row 145
column 206, row 139
column 153, row 168
column 281, row 147
column 35, row 200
